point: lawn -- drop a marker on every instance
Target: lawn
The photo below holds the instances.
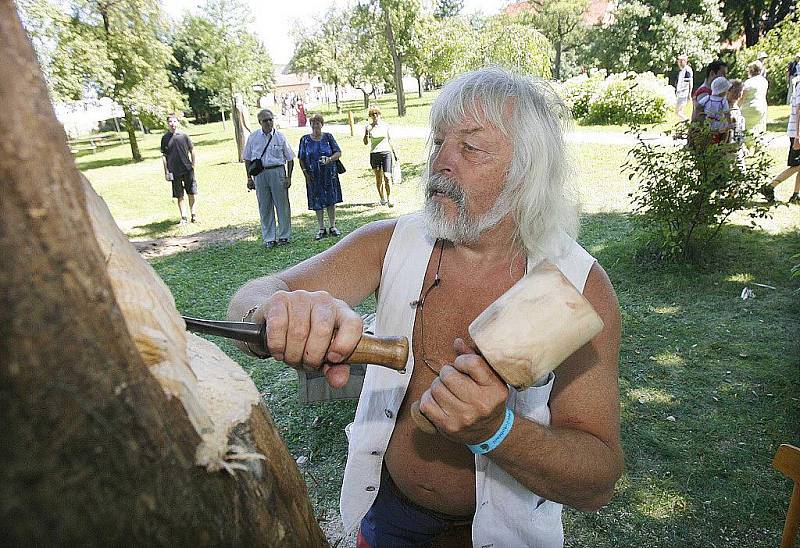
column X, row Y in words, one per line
column 708, row 381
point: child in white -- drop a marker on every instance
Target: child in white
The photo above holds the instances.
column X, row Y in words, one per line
column 717, row 110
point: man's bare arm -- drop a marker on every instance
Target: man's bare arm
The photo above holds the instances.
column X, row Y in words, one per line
column 578, row 458
column 307, row 308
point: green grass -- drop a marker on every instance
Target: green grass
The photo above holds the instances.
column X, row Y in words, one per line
column 726, row 370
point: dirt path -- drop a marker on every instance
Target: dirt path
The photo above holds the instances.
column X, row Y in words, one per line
column 163, row 247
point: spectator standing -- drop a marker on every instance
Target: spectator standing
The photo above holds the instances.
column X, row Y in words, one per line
column 736, row 135
column 793, row 162
column 762, row 58
column 381, row 153
column 317, row 154
column 754, row 99
column 713, row 70
column 301, row 114
column 683, row 86
column 177, row 154
column 792, row 77
column 269, row 146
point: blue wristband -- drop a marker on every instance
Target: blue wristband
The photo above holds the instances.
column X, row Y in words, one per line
column 497, row 438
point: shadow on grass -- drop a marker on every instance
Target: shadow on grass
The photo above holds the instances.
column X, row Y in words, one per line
column 778, row 124
column 708, row 382
column 212, row 141
column 708, row 388
column 155, row 229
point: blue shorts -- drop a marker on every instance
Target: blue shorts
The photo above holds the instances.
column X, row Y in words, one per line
column 397, row 522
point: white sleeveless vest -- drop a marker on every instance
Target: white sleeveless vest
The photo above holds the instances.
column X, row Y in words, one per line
column 507, row 514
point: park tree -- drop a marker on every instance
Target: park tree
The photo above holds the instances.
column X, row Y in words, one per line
column 755, row 18
column 365, row 61
column 507, row 42
column 399, row 19
column 321, row 50
column 647, row 35
column 112, row 48
column 186, row 67
column 561, row 21
column 444, row 9
column 234, row 60
column 118, row 428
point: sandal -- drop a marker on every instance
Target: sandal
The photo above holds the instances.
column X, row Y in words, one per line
column 321, row 234
column 335, row 232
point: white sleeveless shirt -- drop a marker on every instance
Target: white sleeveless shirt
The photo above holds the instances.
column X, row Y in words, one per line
column 506, row 514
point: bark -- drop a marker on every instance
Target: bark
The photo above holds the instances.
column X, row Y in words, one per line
column 397, row 62
column 111, row 426
column 129, row 121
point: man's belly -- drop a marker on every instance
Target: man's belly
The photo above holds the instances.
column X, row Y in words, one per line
column 431, row 470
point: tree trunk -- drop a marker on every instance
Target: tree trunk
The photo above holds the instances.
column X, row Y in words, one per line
column 419, row 85
column 237, row 119
column 336, row 94
column 557, row 66
column 396, row 61
column 366, row 98
column 117, row 427
column 137, row 156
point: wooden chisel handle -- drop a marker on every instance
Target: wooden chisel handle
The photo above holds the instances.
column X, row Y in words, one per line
column 391, row 352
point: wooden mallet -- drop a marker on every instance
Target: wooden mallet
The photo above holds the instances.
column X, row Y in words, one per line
column 530, row 329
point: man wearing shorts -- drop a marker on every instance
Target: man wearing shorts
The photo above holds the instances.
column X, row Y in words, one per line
column 179, row 160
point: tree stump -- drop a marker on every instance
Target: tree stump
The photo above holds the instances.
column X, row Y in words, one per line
column 117, row 427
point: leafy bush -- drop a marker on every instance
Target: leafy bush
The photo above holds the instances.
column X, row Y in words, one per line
column 687, row 193
column 617, row 99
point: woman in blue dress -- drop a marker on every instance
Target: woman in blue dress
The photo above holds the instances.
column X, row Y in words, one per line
column 317, row 154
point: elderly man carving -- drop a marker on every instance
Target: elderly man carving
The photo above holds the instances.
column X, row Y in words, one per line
column 496, row 203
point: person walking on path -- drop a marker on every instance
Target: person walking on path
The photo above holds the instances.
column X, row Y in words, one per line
column 269, row 148
column 381, row 154
column 177, row 154
column 792, row 77
column 754, row 99
column 683, row 86
column 793, row 162
column 317, row 154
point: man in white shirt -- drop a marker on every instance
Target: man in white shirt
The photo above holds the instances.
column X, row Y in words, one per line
column 496, row 204
column 683, row 86
column 268, row 148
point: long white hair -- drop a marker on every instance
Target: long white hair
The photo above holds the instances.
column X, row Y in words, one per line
column 537, row 190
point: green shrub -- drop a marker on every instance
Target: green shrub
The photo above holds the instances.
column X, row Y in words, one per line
column 686, row 194
column 621, row 99
column 781, row 45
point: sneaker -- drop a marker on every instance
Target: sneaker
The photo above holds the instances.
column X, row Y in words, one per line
column 335, row 232
column 383, row 202
column 270, row 245
column 283, row 241
column 768, row 192
column 194, row 217
column 390, row 204
column 184, row 220
column 321, row 234
column 794, row 198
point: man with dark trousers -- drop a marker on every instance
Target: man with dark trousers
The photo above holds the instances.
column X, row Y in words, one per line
column 179, row 161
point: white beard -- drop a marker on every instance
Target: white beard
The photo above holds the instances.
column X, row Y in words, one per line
column 462, row 229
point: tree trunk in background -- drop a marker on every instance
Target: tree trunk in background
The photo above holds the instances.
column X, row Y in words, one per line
column 396, row 61
column 238, row 130
column 129, row 122
column 419, row 85
column 95, row 452
column 557, row 65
